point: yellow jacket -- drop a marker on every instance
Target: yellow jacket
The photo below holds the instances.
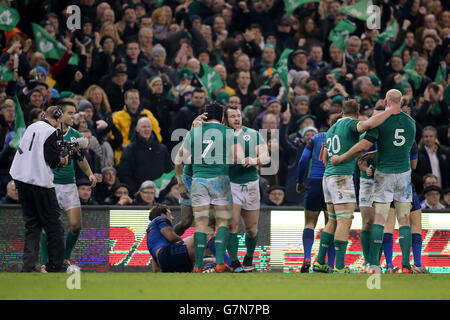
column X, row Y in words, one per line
column 122, row 120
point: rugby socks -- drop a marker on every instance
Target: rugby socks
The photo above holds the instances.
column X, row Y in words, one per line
column 212, row 248
column 331, row 255
column 326, row 239
column 71, row 240
column 308, row 241
column 232, row 247
column 417, row 249
column 341, row 249
column 199, row 248
column 404, row 238
column 250, row 243
column 44, row 249
column 365, row 244
column 221, row 243
column 388, row 244
column 376, row 243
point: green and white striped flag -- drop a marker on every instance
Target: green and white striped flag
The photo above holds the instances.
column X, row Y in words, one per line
column 390, row 32
column 5, row 74
column 210, row 79
column 163, row 181
column 340, row 33
column 412, row 74
column 357, row 10
column 291, row 5
column 440, row 75
column 50, row 47
column 9, row 17
column 19, row 124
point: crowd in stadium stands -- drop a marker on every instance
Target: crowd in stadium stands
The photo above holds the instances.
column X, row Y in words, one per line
column 138, row 70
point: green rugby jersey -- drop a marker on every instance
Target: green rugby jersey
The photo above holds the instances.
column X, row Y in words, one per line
column 394, row 137
column 187, row 170
column 210, row 146
column 340, row 138
column 248, row 139
column 66, row 175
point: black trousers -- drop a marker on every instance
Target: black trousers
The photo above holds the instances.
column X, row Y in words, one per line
column 41, row 211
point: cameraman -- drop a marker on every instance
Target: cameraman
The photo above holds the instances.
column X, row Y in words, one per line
column 65, row 184
column 31, row 170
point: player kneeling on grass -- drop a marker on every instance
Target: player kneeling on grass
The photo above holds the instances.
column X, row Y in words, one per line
column 169, row 252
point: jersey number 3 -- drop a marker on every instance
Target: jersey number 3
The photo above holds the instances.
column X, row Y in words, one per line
column 398, row 136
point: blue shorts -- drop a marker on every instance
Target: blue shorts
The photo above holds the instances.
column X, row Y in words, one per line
column 314, row 199
column 175, row 258
column 188, row 183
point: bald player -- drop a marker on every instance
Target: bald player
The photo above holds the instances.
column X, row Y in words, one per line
column 394, row 138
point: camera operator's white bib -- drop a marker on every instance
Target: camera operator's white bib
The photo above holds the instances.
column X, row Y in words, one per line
column 29, row 164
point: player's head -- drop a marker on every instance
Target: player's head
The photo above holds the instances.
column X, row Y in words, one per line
column 160, row 210
column 351, row 108
column 53, row 115
column 233, row 117
column 214, row 111
column 393, row 98
column 68, row 108
column 378, row 109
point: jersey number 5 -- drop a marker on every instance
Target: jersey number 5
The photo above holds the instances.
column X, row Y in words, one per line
column 397, row 136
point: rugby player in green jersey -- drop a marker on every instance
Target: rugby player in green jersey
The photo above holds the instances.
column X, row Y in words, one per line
column 244, row 180
column 210, row 149
column 394, row 138
column 338, row 188
column 66, row 188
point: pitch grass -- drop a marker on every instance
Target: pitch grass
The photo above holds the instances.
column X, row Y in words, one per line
column 250, row 286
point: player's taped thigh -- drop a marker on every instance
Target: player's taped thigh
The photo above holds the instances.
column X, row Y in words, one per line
column 402, row 209
column 201, row 214
column 224, row 214
column 344, row 215
column 382, row 209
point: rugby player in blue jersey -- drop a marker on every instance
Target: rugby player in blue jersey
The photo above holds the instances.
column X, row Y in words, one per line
column 314, row 200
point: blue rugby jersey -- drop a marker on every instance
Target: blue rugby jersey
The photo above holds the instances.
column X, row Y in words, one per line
column 313, row 152
column 155, row 239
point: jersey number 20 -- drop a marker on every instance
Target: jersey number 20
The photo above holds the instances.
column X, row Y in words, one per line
column 334, row 144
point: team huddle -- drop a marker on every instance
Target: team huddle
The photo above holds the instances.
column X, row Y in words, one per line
column 217, row 171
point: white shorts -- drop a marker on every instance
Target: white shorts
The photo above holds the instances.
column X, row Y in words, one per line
column 67, row 195
column 366, row 188
column 338, row 189
column 215, row 191
column 392, row 186
column 246, row 195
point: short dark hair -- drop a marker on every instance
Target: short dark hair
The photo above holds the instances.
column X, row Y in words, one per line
column 158, row 210
column 380, row 108
column 214, row 111
column 66, row 102
column 225, row 113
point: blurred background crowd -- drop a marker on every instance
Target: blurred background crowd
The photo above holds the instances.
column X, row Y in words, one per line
column 137, row 69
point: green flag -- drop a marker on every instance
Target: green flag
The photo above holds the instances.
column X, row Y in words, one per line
column 440, row 75
column 411, row 73
column 210, row 79
column 399, row 51
column 282, row 68
column 291, row 5
column 6, row 74
column 340, row 33
column 50, row 47
column 163, row 181
column 357, row 10
column 390, row 32
column 9, row 17
column 19, row 124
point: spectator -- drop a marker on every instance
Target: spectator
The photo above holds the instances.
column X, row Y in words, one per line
column 120, row 196
column 91, row 156
column 145, row 148
column 446, row 198
column 432, row 198
column 276, row 196
column 433, row 158
column 273, row 106
column 105, row 188
column 146, row 194
column 117, row 87
column 12, row 196
column 85, row 193
column 193, row 108
column 126, row 120
column 7, row 116
column 99, row 100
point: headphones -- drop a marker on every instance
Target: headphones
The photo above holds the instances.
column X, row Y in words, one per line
column 57, row 113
